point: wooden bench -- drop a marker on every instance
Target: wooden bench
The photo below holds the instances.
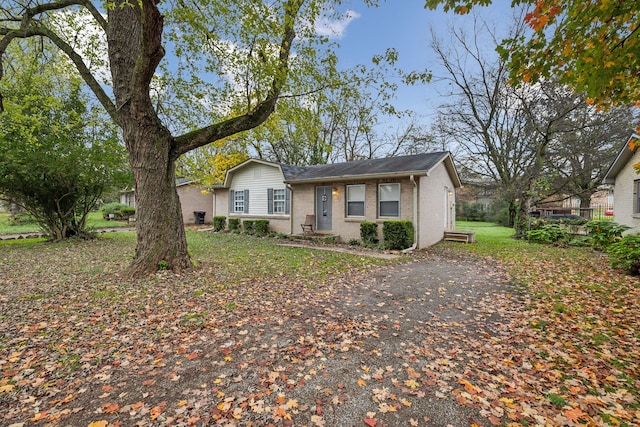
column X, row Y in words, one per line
column 309, row 223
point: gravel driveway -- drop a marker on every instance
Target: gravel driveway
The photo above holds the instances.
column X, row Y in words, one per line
column 410, row 337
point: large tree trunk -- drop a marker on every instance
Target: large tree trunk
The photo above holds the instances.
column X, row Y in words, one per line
column 512, row 213
column 135, row 51
column 159, row 223
column 521, row 218
column 134, row 37
column 585, row 204
column 585, row 201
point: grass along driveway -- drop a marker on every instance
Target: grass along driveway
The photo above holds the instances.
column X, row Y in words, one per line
column 576, row 345
column 262, row 335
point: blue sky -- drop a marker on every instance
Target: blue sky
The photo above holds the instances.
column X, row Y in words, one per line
column 405, row 25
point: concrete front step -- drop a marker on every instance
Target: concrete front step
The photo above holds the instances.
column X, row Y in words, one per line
column 460, row 236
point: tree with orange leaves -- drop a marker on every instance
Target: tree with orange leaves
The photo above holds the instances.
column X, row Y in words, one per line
column 592, row 45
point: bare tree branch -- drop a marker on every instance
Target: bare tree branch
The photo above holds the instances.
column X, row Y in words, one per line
column 261, row 112
column 30, row 27
column 86, row 74
column 96, row 14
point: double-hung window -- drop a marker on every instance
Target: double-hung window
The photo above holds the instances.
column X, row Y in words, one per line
column 389, row 200
column 279, row 200
column 239, row 201
column 636, row 196
column 355, row 200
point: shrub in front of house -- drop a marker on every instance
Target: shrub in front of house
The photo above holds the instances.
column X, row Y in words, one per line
column 127, row 212
column 544, row 230
column 397, row 234
column 219, row 223
column 248, row 227
column 573, row 226
column 548, row 233
column 109, row 210
column 602, row 234
column 330, row 240
column 234, row 224
column 261, row 227
column 369, row 233
column 117, row 211
column 625, row 253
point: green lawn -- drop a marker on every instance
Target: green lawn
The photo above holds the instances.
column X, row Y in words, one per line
column 94, row 220
column 493, row 239
column 486, row 231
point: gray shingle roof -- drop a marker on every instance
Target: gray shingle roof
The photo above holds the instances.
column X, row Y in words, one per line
column 419, row 164
column 291, row 171
column 401, row 165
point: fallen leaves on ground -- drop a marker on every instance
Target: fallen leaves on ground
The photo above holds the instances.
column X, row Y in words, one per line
column 553, row 343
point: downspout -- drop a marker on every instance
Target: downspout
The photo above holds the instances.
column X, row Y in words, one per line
column 290, row 209
column 213, row 210
column 416, row 224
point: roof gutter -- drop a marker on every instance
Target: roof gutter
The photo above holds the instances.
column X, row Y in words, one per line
column 624, row 155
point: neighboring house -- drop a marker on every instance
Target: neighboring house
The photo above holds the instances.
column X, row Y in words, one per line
column 128, row 197
column 193, row 198
column 420, row 188
column 626, row 181
column 600, row 205
column 478, row 191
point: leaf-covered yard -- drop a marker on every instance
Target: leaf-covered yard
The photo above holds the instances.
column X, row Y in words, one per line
column 268, row 335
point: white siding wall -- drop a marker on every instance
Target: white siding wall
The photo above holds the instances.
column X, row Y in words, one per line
column 256, row 178
column 623, row 196
column 128, row 198
column 434, row 206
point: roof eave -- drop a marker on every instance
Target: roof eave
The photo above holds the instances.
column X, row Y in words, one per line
column 356, row 177
column 621, row 160
column 227, row 175
column 451, row 168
